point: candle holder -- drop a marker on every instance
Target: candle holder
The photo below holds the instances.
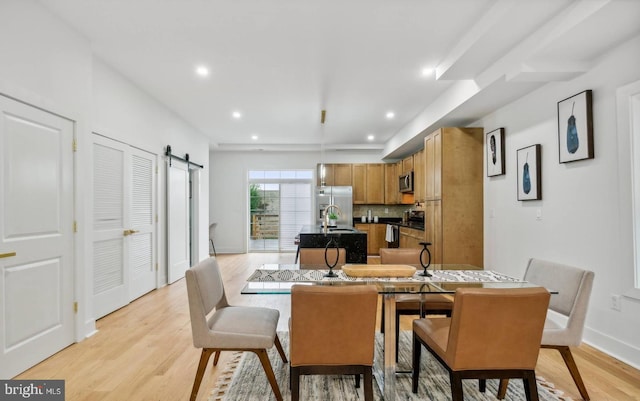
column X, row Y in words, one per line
column 425, row 273
column 326, row 261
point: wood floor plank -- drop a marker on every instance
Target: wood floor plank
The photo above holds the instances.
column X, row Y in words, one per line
column 144, row 350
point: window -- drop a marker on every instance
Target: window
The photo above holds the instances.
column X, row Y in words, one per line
column 279, row 205
column 628, row 98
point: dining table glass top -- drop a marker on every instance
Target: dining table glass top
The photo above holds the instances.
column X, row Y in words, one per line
column 445, row 278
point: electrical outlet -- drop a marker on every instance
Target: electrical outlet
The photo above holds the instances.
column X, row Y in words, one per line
column 386, row 210
column 538, row 214
column 616, row 302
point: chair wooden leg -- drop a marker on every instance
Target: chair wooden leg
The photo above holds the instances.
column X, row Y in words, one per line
column 456, row 386
column 280, row 350
column 202, row 366
column 294, row 379
column 482, row 385
column 415, row 364
column 397, row 335
column 573, row 369
column 530, row 386
column 368, row 384
column 266, row 365
column 502, row 389
column 382, row 318
column 357, row 377
column 216, row 358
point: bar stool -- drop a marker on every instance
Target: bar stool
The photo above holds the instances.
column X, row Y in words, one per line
column 212, row 229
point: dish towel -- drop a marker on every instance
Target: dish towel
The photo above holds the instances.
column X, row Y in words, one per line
column 389, row 236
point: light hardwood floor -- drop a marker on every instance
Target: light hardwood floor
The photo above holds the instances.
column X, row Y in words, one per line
column 144, row 352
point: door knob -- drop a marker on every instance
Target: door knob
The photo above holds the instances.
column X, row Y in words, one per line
column 129, row 232
column 7, row 255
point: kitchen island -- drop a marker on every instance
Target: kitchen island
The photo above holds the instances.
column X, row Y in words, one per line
column 354, row 241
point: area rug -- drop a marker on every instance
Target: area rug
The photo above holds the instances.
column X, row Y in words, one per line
column 244, row 379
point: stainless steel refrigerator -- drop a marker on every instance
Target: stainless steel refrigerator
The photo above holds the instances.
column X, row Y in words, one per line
column 340, row 196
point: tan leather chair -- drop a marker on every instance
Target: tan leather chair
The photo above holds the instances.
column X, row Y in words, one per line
column 492, row 334
column 315, row 257
column 410, row 304
column 574, row 288
column 331, row 331
column 229, row 328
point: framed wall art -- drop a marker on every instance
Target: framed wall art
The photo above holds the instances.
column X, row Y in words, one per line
column 495, row 152
column 529, row 173
column 575, row 127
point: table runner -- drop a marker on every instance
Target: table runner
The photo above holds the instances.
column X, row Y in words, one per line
column 439, row 276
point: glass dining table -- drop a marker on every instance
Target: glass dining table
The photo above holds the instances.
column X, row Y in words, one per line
column 445, row 278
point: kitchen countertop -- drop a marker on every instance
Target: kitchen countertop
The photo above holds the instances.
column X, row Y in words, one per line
column 340, row 229
column 397, row 221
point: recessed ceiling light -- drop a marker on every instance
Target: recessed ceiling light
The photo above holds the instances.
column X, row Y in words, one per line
column 202, row 71
column 236, row 114
column 427, row 71
column 254, row 137
column 390, row 115
column 371, row 137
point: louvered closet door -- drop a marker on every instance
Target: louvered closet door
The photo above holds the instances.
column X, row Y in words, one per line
column 124, row 254
column 142, row 213
column 110, row 219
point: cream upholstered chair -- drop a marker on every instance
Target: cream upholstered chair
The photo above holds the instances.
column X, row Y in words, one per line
column 315, row 256
column 331, row 331
column 229, row 328
column 412, row 304
column 574, row 288
column 493, row 333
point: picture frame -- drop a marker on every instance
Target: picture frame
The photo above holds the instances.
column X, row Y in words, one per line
column 529, row 173
column 494, row 144
column 575, row 127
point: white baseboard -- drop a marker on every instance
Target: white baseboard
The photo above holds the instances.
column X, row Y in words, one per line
column 626, row 353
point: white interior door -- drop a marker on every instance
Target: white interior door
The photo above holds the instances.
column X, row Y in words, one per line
column 110, row 220
column 124, row 226
column 142, row 255
column 178, row 235
column 36, row 223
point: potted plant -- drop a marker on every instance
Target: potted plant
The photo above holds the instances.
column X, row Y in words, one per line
column 333, row 219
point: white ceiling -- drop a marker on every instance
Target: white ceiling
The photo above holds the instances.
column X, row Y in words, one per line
column 280, row 62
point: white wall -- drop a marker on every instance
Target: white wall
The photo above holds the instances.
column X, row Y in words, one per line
column 228, row 201
column 585, row 206
column 45, row 63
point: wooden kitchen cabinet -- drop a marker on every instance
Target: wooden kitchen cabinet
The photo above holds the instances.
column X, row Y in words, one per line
column 368, row 183
column 335, row 174
column 407, row 164
column 410, row 237
column 342, row 175
column 359, row 183
column 454, row 195
column 374, row 192
column 419, row 176
column 391, row 193
column 375, row 236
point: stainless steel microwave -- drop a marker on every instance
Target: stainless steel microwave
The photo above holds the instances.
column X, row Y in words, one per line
column 406, row 182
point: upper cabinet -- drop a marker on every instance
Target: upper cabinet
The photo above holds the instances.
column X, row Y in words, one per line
column 342, row 175
column 335, row 174
column 407, row 165
column 419, row 176
column 368, row 183
column 375, row 183
column 391, row 193
column 359, row 172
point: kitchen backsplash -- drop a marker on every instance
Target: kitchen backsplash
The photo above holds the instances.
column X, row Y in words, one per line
column 379, row 210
